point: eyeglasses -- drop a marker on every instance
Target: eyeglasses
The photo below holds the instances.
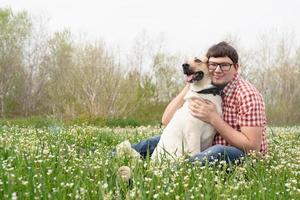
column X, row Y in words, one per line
column 223, row 66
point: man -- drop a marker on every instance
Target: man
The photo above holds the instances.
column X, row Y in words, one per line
column 243, row 126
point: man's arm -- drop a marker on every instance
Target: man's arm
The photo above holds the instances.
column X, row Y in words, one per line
column 174, row 105
column 249, row 138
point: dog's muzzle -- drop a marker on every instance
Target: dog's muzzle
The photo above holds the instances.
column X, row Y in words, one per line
column 186, row 69
column 191, row 75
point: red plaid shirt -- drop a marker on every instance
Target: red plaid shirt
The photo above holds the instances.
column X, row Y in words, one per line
column 243, row 106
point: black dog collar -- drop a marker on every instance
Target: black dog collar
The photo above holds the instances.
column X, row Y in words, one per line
column 215, row 91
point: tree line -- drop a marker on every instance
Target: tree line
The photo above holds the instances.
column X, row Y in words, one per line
column 56, row 75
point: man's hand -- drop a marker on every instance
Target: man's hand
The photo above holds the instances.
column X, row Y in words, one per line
column 248, row 139
column 203, row 109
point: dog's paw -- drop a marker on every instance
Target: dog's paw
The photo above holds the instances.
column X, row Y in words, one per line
column 125, row 149
column 124, row 172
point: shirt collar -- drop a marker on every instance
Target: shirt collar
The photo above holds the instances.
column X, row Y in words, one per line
column 230, row 87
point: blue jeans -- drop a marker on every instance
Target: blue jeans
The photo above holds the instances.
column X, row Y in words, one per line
column 217, row 152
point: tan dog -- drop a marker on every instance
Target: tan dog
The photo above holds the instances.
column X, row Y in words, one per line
column 185, row 134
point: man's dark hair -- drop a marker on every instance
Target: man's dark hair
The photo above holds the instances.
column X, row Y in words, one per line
column 223, row 49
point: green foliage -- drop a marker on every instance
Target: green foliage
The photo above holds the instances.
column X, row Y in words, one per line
column 111, row 122
column 14, row 30
column 35, row 122
column 88, row 82
column 44, row 122
column 150, row 112
column 76, row 163
column 122, row 122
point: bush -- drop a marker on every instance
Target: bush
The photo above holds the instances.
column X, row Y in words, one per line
column 123, row 122
column 41, row 122
column 36, row 122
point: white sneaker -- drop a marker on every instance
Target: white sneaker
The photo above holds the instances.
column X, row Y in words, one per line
column 125, row 149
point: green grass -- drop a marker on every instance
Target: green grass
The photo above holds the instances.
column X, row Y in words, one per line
column 75, row 162
column 42, row 122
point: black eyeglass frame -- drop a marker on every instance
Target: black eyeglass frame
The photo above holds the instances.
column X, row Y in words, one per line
column 221, row 65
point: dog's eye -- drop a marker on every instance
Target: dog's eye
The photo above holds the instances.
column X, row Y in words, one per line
column 197, row 60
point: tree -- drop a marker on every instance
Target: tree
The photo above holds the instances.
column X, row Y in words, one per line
column 275, row 74
column 13, row 32
column 61, row 85
column 35, row 63
column 167, row 76
column 98, row 79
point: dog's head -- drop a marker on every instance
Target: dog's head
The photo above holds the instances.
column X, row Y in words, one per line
column 196, row 69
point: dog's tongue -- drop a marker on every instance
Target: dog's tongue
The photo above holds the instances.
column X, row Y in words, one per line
column 189, row 78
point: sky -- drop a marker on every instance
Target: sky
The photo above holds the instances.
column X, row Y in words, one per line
column 187, row 26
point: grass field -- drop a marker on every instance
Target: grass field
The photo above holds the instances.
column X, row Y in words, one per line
column 75, row 163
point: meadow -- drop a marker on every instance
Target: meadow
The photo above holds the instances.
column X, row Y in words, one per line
column 75, row 162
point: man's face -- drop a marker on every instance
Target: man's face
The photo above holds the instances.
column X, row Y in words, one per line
column 222, row 70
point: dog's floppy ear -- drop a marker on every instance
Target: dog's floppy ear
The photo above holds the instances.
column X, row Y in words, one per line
column 203, row 59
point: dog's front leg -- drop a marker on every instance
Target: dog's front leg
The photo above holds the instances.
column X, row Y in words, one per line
column 193, row 141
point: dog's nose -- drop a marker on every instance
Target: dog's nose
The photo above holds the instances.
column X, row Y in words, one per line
column 185, row 66
column 186, row 69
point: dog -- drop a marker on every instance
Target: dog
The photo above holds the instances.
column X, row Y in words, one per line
column 186, row 135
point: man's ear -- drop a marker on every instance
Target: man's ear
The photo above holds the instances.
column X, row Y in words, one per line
column 236, row 66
